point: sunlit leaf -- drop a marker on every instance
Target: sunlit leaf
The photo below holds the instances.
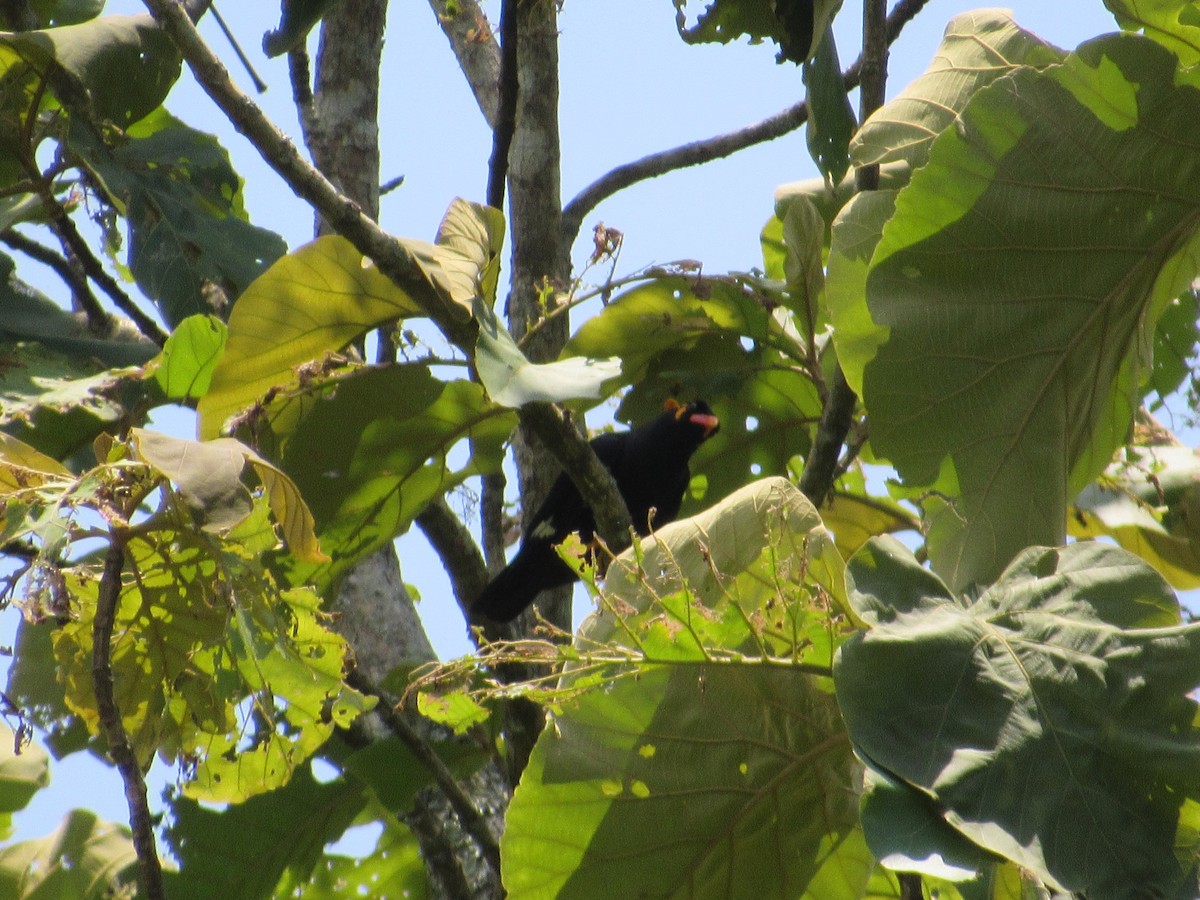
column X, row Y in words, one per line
column 1000, row 355
column 21, row 466
column 736, row 758
column 1173, row 23
column 311, row 302
column 187, row 361
column 978, row 48
column 84, row 859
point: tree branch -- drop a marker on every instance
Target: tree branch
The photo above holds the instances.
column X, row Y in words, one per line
column 474, row 46
column 709, row 149
column 342, row 214
column 119, row 747
column 456, row 548
column 473, row 821
column 345, row 217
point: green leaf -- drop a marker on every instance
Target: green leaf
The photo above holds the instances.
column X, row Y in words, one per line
column 125, row 64
column 756, row 574
column 1149, row 502
column 191, row 249
column 1173, row 23
column 21, row 776
column 58, row 403
column 84, row 858
column 792, row 24
column 831, row 121
column 242, row 852
column 1048, row 721
column 978, row 48
column 374, row 448
column 23, row 467
column 1003, row 355
column 512, row 380
column 27, row 315
column 187, row 361
column 311, row 302
column 736, row 757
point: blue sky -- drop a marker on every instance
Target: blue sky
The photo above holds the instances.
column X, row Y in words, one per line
column 629, row 87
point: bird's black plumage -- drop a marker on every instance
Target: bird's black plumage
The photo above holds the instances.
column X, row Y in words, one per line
column 650, row 466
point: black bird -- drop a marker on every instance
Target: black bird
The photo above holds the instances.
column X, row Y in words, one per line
column 650, row 466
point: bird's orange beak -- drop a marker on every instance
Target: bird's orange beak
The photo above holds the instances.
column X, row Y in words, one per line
column 711, row 424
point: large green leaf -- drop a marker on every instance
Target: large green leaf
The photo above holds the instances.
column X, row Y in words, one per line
column 84, row 859
column 191, row 249
column 978, row 48
column 760, row 556
column 1149, row 502
column 999, row 354
column 58, row 403
column 1048, row 721
column 375, row 447
column 125, row 64
column 314, row 301
column 1173, row 23
column 21, row 776
column 724, row 781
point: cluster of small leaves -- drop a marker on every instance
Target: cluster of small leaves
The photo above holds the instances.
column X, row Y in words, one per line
column 217, row 665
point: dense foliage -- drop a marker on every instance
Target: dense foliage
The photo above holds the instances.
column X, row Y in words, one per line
column 774, row 698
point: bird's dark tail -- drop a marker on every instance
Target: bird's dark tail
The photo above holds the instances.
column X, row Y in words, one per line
column 534, row 569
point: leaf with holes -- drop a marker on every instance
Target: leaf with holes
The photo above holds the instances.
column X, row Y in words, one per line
column 741, row 758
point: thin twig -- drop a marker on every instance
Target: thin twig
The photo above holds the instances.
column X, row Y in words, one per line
column 259, row 84
column 712, row 148
column 119, row 748
column 473, row 821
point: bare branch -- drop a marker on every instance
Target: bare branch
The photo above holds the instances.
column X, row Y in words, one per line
column 712, row 148
column 119, row 747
